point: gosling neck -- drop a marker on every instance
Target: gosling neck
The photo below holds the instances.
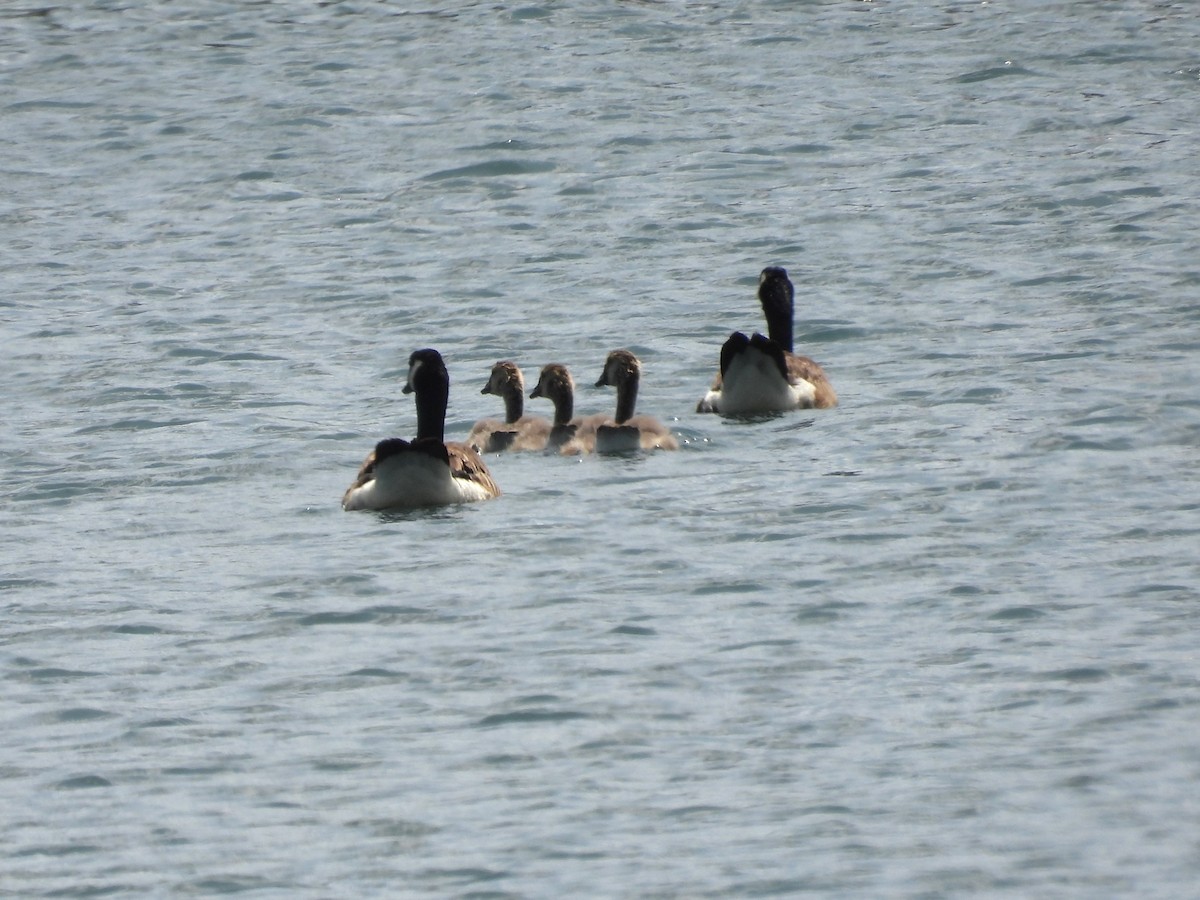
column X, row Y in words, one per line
column 514, row 404
column 627, row 389
column 564, row 407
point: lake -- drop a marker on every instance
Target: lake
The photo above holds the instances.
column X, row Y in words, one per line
column 939, row 641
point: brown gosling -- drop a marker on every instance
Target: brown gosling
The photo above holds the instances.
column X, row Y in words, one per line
column 518, row 432
column 627, row 432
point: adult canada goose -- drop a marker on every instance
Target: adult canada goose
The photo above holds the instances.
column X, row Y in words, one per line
column 517, row 431
column 570, row 434
column 426, row 471
column 626, row 432
column 762, row 374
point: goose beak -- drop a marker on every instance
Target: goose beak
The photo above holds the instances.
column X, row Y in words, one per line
column 407, row 389
column 487, row 389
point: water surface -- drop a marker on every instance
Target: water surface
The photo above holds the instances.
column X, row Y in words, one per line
column 938, row 641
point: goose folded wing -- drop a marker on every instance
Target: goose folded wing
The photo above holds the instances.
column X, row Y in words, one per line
column 801, row 367
column 465, row 463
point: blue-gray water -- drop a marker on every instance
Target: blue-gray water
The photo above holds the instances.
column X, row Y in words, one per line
column 940, row 641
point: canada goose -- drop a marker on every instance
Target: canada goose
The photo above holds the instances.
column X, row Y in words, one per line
column 762, row 374
column 427, row 471
column 626, row 432
column 517, row 431
column 570, row 434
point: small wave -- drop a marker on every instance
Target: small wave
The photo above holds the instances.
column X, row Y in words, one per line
column 495, row 169
column 529, row 716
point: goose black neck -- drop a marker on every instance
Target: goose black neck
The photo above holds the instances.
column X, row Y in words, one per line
column 433, row 393
column 778, row 299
